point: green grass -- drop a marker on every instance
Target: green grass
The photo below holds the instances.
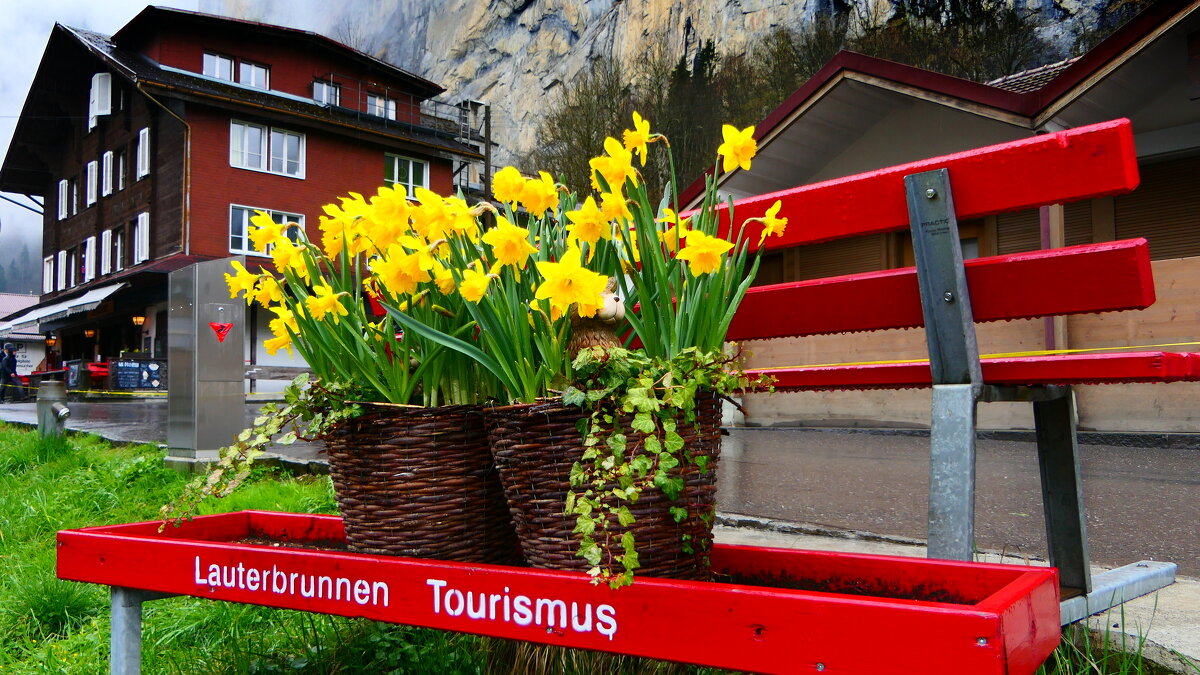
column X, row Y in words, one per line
column 52, row 626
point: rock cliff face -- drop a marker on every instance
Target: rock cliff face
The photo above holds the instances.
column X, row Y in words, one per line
column 516, row 54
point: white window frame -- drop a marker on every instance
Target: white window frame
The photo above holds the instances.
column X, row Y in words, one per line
column 212, row 65
column 143, row 153
column 271, row 139
column 249, row 74
column 381, row 106
column 48, row 274
column 122, row 170
column 72, row 268
column 243, row 214
column 141, row 239
column 99, row 98
column 89, row 259
column 329, row 93
column 74, row 196
column 92, row 178
column 393, row 162
column 106, row 173
column 118, row 249
column 106, row 252
column 61, row 268
column 64, row 189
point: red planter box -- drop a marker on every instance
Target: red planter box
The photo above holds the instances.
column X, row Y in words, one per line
column 810, row 612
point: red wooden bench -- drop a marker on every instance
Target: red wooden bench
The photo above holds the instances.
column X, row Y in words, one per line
column 948, row 297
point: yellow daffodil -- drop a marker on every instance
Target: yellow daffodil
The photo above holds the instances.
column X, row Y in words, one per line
column 274, row 344
column 265, row 231
column 400, row 271
column 616, row 166
column 444, row 278
column 773, row 226
column 637, row 138
column 474, row 285
column 739, row 147
column 268, row 291
column 510, row 244
column 431, row 219
column 242, row 282
column 288, row 256
column 284, row 321
column 567, row 283
column 507, row 185
column 461, row 221
column 704, row 253
column 588, row 223
column 540, row 194
column 613, row 207
column 672, row 237
column 324, row 301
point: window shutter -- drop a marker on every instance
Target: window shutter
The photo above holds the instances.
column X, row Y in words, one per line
column 102, row 93
column 92, row 106
column 141, row 242
column 105, row 252
column 143, row 153
column 106, row 174
column 89, row 259
column 63, row 195
column 92, row 183
column 1163, row 210
column 48, row 274
column 62, row 270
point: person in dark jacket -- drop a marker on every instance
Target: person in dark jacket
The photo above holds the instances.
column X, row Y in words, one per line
column 10, row 384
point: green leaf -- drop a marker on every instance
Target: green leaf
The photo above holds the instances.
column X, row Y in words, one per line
column 643, row 422
column 678, row 513
column 625, row 516
column 653, row 445
column 616, row 443
column 589, row 551
column 572, row 396
column 640, row 465
column 584, row 525
column 674, row 441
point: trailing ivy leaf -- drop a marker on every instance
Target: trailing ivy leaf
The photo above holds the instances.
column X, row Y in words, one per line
column 667, row 461
column 641, row 464
column 616, row 443
column 625, row 516
column 589, row 551
column 673, row 441
column 671, row 486
column 653, row 445
column 702, row 463
column 628, row 544
column 643, row 422
column 678, row 513
column 584, row 525
column 287, row 439
column 572, row 396
column 598, row 394
column 576, row 476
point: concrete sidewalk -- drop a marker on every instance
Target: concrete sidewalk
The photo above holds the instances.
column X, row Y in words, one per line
column 1168, row 620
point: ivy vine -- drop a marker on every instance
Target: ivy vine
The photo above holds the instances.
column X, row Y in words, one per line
column 652, row 397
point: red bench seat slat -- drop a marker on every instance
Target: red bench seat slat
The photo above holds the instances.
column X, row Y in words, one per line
column 1084, row 163
column 1029, row 370
column 1080, row 279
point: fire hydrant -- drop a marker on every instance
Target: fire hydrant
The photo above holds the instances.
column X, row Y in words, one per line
column 52, row 408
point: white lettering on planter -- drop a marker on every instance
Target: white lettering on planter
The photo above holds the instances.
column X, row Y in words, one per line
column 548, row 613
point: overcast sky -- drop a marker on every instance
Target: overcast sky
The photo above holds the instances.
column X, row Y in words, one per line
column 26, row 25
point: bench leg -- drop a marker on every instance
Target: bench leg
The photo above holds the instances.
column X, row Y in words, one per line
column 1062, row 491
column 125, row 638
column 952, row 473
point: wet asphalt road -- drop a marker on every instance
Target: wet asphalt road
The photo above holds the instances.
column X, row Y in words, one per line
column 1142, row 503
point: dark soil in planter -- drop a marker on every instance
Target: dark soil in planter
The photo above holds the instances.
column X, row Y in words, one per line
column 879, row 588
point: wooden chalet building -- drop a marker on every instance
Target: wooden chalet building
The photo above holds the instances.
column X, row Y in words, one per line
column 861, row 113
column 152, row 147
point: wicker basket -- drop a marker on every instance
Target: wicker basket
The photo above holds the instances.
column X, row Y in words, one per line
column 534, row 447
column 420, row 482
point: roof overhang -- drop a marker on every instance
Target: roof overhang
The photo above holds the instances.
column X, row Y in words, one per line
column 59, row 310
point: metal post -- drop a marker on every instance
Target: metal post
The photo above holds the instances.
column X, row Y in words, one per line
column 1062, row 491
column 953, row 363
column 52, row 410
column 952, row 473
column 125, row 639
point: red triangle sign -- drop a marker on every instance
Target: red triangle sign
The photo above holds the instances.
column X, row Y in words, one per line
column 221, row 329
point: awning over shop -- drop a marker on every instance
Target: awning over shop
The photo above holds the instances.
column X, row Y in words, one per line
column 57, row 310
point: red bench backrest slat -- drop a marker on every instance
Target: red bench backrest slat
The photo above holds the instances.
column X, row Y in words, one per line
column 1090, row 278
column 1084, row 163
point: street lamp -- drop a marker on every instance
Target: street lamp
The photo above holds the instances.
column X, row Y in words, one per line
column 138, row 320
